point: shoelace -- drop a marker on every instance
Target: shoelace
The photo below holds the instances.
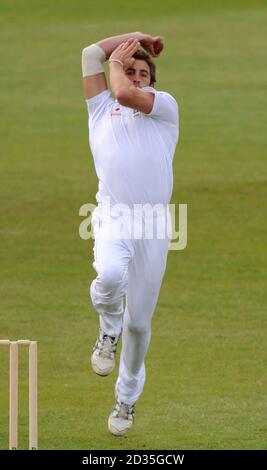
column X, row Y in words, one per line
column 106, row 346
column 122, row 410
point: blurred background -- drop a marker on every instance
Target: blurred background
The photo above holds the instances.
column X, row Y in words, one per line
column 206, row 367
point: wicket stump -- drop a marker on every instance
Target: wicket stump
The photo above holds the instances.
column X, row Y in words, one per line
column 14, row 390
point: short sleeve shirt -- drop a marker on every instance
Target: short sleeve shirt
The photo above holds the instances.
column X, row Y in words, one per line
column 133, row 151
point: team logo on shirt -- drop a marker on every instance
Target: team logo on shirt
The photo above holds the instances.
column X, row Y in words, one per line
column 116, row 111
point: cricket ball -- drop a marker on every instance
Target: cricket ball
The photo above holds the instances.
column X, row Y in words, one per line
column 158, row 46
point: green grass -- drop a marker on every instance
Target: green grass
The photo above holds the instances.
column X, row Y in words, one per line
column 206, row 384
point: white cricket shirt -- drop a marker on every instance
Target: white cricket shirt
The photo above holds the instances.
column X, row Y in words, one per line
column 133, row 151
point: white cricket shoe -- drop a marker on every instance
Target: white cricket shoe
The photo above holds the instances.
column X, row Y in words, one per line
column 103, row 356
column 121, row 418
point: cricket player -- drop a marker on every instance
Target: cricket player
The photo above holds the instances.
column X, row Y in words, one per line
column 133, row 132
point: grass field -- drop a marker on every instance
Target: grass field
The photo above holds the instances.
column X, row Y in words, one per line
column 206, row 367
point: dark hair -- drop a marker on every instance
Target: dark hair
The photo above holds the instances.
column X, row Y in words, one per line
column 142, row 55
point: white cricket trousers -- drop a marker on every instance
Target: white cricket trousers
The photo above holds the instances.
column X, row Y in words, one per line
column 132, row 270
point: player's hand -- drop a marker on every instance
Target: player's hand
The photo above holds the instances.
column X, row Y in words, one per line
column 124, row 52
column 152, row 44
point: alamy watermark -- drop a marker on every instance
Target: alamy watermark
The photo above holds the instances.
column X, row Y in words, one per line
column 142, row 221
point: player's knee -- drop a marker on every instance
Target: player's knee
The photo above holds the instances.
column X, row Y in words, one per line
column 111, row 277
column 139, row 328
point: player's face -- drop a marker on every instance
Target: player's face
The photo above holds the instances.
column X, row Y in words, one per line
column 139, row 73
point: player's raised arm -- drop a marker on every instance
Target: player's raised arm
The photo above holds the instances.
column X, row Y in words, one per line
column 93, row 56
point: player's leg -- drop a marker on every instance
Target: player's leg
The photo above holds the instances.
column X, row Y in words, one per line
column 145, row 276
column 108, row 292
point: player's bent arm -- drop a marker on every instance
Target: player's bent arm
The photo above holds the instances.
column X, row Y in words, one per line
column 94, row 79
column 110, row 44
column 137, row 99
column 126, row 93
